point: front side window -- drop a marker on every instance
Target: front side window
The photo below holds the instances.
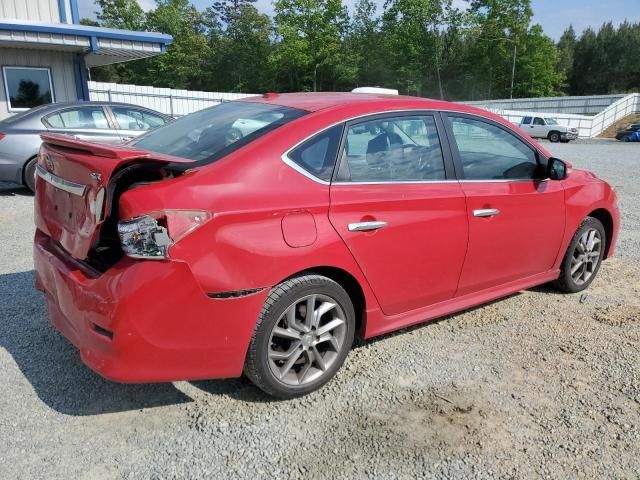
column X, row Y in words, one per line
column 27, row 87
column 488, row 152
column 135, row 119
column 82, row 118
column 318, row 154
column 538, row 121
column 208, row 135
column 392, row 149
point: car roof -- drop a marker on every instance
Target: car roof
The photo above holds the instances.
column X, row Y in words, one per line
column 316, row 101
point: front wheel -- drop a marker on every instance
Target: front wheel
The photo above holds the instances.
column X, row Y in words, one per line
column 583, row 257
column 554, row 137
column 302, row 336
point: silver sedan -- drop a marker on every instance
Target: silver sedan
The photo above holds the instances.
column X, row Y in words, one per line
column 96, row 121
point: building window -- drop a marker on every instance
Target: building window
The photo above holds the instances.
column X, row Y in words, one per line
column 27, row 87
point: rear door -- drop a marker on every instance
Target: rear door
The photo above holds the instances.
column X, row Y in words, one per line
column 399, row 210
column 516, row 216
column 132, row 121
column 89, row 123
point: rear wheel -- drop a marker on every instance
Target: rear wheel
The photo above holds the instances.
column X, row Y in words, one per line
column 29, row 175
column 554, row 137
column 583, row 258
column 302, row 336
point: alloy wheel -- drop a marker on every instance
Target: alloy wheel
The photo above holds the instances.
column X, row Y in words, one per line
column 586, row 256
column 306, row 340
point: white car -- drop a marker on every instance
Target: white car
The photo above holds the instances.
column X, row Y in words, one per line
column 545, row 127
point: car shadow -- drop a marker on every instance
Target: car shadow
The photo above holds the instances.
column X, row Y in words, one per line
column 52, row 365
column 14, row 190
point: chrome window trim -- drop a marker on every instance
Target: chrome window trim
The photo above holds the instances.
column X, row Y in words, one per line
column 59, row 182
column 400, row 182
column 285, row 156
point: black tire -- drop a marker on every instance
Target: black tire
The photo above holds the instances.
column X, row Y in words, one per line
column 29, row 174
column 626, row 138
column 259, row 367
column 566, row 282
column 554, row 137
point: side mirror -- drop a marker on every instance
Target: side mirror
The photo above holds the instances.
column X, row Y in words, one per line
column 556, row 169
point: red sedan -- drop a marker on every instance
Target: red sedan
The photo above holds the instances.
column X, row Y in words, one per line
column 261, row 236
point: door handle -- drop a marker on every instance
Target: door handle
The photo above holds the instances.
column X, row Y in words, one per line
column 366, row 226
column 486, row 212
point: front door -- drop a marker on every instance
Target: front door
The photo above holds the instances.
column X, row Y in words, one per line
column 516, row 216
column 132, row 121
column 399, row 211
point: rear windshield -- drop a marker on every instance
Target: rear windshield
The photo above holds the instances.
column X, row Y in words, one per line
column 210, row 134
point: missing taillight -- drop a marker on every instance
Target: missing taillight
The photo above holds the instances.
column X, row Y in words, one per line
column 150, row 236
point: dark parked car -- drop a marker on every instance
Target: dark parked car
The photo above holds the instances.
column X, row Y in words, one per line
column 627, row 135
column 96, row 121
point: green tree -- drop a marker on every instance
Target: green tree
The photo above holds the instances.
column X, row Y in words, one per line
column 310, row 49
column 124, row 14
column 240, row 45
column 184, row 61
column 566, row 49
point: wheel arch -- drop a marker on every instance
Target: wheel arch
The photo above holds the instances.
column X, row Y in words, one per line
column 606, row 219
column 552, row 132
column 347, row 281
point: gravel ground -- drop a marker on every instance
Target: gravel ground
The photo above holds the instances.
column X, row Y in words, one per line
column 536, row 385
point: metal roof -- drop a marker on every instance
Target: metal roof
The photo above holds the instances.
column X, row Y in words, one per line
column 101, row 46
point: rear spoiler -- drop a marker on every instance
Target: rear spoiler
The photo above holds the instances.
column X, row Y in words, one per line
column 120, row 152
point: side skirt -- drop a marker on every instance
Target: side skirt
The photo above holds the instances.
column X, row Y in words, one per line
column 379, row 324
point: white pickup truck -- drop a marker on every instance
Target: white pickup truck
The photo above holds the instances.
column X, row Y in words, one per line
column 545, row 127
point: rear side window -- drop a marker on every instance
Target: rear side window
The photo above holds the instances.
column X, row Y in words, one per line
column 392, row 149
column 526, row 120
column 318, row 154
column 79, row 119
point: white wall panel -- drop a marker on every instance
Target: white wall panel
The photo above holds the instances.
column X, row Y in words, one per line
column 60, row 64
column 36, row 10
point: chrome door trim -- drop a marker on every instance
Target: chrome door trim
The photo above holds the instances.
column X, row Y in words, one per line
column 366, row 226
column 59, row 182
column 486, row 212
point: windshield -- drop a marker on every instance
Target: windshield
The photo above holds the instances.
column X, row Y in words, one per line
column 210, row 134
column 551, row 121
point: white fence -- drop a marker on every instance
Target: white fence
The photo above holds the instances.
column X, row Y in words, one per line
column 166, row 100
column 588, row 126
column 587, row 105
column 608, row 108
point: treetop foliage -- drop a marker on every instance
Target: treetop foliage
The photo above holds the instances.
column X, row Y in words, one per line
column 431, row 48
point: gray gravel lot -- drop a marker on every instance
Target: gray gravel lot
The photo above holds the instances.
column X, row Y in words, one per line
column 536, row 385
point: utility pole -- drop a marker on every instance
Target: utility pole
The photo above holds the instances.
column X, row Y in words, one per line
column 513, row 68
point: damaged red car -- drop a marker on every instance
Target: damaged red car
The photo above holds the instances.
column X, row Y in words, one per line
column 262, row 236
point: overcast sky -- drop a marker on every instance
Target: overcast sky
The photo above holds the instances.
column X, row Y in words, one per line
column 553, row 15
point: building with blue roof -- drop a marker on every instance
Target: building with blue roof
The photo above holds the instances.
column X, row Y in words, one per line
column 45, row 53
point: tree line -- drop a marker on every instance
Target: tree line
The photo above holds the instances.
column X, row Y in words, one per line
column 431, row 48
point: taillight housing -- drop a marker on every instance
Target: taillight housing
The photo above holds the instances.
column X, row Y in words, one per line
column 150, row 236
